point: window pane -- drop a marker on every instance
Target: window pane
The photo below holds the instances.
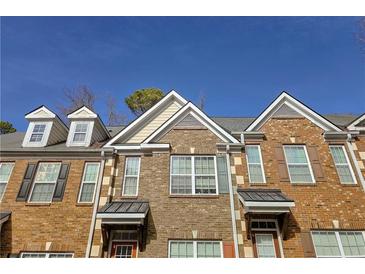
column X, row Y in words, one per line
column 204, row 165
column 253, row 155
column 132, row 164
column 2, row 189
column 353, row 243
column 256, row 175
column 87, row 192
column 205, row 184
column 79, row 137
column 326, row 244
column 5, row 170
column 345, row 174
column 33, row 255
column 36, row 137
column 60, row 255
column 181, row 165
column 81, row 128
column 208, row 250
column 338, row 155
column 181, row 250
column 39, row 128
column 91, row 172
column 295, row 155
column 47, row 172
column 181, row 184
column 130, row 186
column 42, row 192
column 300, row 173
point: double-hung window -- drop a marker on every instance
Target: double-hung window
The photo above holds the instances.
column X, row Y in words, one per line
column 45, row 255
column 193, row 175
column 299, row 168
column 5, row 171
column 343, row 167
column 195, row 249
column 45, row 182
column 37, row 133
column 339, row 243
column 88, row 184
column 80, row 133
column 131, row 176
column 254, row 164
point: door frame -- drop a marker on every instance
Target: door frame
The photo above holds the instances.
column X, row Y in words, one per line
column 121, row 241
column 125, row 243
column 276, row 229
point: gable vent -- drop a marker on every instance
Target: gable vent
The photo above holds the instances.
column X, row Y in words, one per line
column 286, row 111
column 189, row 122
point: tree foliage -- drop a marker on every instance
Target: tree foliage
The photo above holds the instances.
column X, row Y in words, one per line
column 143, row 99
column 6, row 127
column 76, row 98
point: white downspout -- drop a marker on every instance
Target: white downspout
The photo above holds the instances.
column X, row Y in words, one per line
column 356, row 164
column 96, row 204
column 231, row 200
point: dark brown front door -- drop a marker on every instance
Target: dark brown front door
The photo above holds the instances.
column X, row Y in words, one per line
column 124, row 250
column 265, row 244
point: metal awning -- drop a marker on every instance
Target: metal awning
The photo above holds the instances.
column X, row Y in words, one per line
column 265, row 201
column 124, row 212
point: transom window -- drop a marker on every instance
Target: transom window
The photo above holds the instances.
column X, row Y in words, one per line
column 5, row 171
column 45, row 255
column 254, row 163
column 193, row 175
column 131, row 176
column 88, row 184
column 298, row 165
column 195, row 249
column 45, row 182
column 343, row 166
column 37, row 134
column 80, row 133
column 339, row 243
column 123, row 251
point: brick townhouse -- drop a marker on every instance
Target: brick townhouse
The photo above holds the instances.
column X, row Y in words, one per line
column 177, row 183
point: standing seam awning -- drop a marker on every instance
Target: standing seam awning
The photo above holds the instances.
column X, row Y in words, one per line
column 265, row 201
column 124, row 212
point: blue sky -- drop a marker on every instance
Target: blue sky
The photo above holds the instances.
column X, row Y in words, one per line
column 239, row 63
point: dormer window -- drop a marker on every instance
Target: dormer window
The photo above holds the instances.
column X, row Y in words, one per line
column 80, row 133
column 37, row 134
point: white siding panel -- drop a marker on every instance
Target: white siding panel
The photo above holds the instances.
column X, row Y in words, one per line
column 154, row 123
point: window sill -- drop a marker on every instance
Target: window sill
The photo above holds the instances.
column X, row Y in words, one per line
column 128, row 197
column 37, row 204
column 349, row 185
column 212, row 196
column 84, row 204
column 303, row 184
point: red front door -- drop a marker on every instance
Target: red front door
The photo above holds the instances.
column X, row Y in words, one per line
column 124, row 250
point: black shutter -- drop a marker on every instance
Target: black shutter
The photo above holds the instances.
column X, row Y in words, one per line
column 61, row 182
column 222, row 175
column 27, row 182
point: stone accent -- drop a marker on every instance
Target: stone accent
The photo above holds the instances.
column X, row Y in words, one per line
column 248, row 252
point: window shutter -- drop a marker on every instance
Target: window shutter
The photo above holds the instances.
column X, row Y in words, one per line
column 315, row 163
column 61, row 182
column 280, row 158
column 228, row 250
column 222, row 175
column 27, row 182
column 307, row 244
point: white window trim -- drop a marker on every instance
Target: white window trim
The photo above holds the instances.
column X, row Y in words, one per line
column 46, row 133
column 83, row 181
column 88, row 135
column 347, row 164
column 272, row 241
column 261, row 163
column 34, row 183
column 308, row 163
column 133, row 176
column 121, row 241
column 6, row 182
column 193, row 175
column 47, row 254
column 195, row 247
column 338, row 238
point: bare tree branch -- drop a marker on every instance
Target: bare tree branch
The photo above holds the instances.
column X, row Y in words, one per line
column 361, row 34
column 201, row 100
column 114, row 117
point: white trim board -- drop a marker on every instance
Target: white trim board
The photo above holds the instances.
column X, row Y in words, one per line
column 285, row 98
column 191, row 109
column 353, row 124
column 146, row 115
